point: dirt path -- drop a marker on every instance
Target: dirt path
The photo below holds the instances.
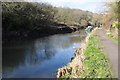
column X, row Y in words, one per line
column 111, row 49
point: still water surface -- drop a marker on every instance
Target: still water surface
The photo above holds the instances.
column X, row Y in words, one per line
column 40, row 58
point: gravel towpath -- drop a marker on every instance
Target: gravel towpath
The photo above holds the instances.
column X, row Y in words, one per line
column 111, row 50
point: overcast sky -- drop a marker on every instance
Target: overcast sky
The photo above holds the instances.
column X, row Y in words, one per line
column 96, row 6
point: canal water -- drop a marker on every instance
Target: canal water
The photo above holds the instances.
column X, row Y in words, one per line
column 40, row 58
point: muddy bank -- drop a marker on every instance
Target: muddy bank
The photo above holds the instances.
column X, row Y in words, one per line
column 75, row 67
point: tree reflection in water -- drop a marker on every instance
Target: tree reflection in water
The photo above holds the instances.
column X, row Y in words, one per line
column 41, row 57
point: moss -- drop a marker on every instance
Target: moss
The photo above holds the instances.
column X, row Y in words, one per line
column 65, row 77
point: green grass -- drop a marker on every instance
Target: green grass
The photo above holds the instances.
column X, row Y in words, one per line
column 96, row 63
column 116, row 40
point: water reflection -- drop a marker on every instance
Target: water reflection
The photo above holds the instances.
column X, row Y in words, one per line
column 41, row 57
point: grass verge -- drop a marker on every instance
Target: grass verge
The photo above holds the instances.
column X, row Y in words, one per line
column 96, row 63
column 114, row 39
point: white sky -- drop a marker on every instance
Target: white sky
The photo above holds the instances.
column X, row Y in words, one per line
column 96, row 6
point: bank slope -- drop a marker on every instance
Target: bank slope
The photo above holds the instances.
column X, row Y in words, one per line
column 89, row 61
